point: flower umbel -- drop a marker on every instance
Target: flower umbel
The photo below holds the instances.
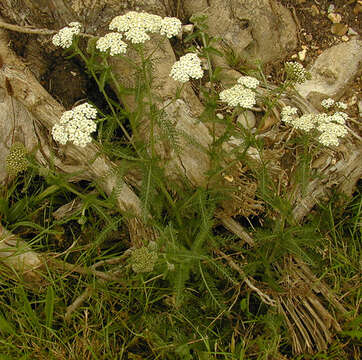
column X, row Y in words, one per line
column 76, row 125
column 112, row 42
column 170, row 26
column 327, row 103
column 189, row 66
column 238, row 95
column 331, row 127
column 241, row 93
column 16, row 161
column 64, row 38
column 143, row 259
column 296, row 72
column 249, row 82
column 136, row 26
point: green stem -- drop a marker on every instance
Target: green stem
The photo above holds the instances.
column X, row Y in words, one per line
column 101, row 88
column 281, row 90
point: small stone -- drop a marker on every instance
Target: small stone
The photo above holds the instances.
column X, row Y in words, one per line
column 360, row 108
column 247, row 119
column 339, row 29
column 352, row 32
column 314, row 10
column 345, row 38
column 302, row 54
column 294, row 56
column 335, row 18
column 220, row 116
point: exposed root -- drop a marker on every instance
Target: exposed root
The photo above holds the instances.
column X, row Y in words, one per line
column 31, row 30
column 263, row 297
column 310, row 325
column 78, row 302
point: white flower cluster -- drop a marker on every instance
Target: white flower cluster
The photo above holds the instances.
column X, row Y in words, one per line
column 330, row 133
column 327, row 103
column 64, row 37
column 135, row 26
column 288, row 113
column 189, row 66
column 330, row 103
column 170, row 26
column 112, row 42
column 76, row 125
column 249, row 82
column 305, row 122
column 296, row 72
column 241, row 94
column 331, row 127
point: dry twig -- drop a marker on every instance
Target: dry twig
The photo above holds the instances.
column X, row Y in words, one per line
column 265, row 298
column 34, row 31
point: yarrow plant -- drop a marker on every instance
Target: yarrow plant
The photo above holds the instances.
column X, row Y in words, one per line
column 64, row 37
column 189, row 66
column 241, row 94
column 76, row 125
column 331, row 126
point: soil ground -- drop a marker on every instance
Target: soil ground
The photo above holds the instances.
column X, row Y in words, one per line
column 315, row 35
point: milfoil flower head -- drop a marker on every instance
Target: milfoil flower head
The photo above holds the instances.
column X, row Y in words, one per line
column 16, row 160
column 170, row 26
column 76, row 125
column 189, row 66
column 288, row 114
column 143, row 259
column 136, row 26
column 330, row 133
column 238, row 95
column 112, row 42
column 249, row 82
column 327, row 103
column 64, row 37
column 306, row 122
column 341, row 105
column 331, row 127
column 296, row 72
